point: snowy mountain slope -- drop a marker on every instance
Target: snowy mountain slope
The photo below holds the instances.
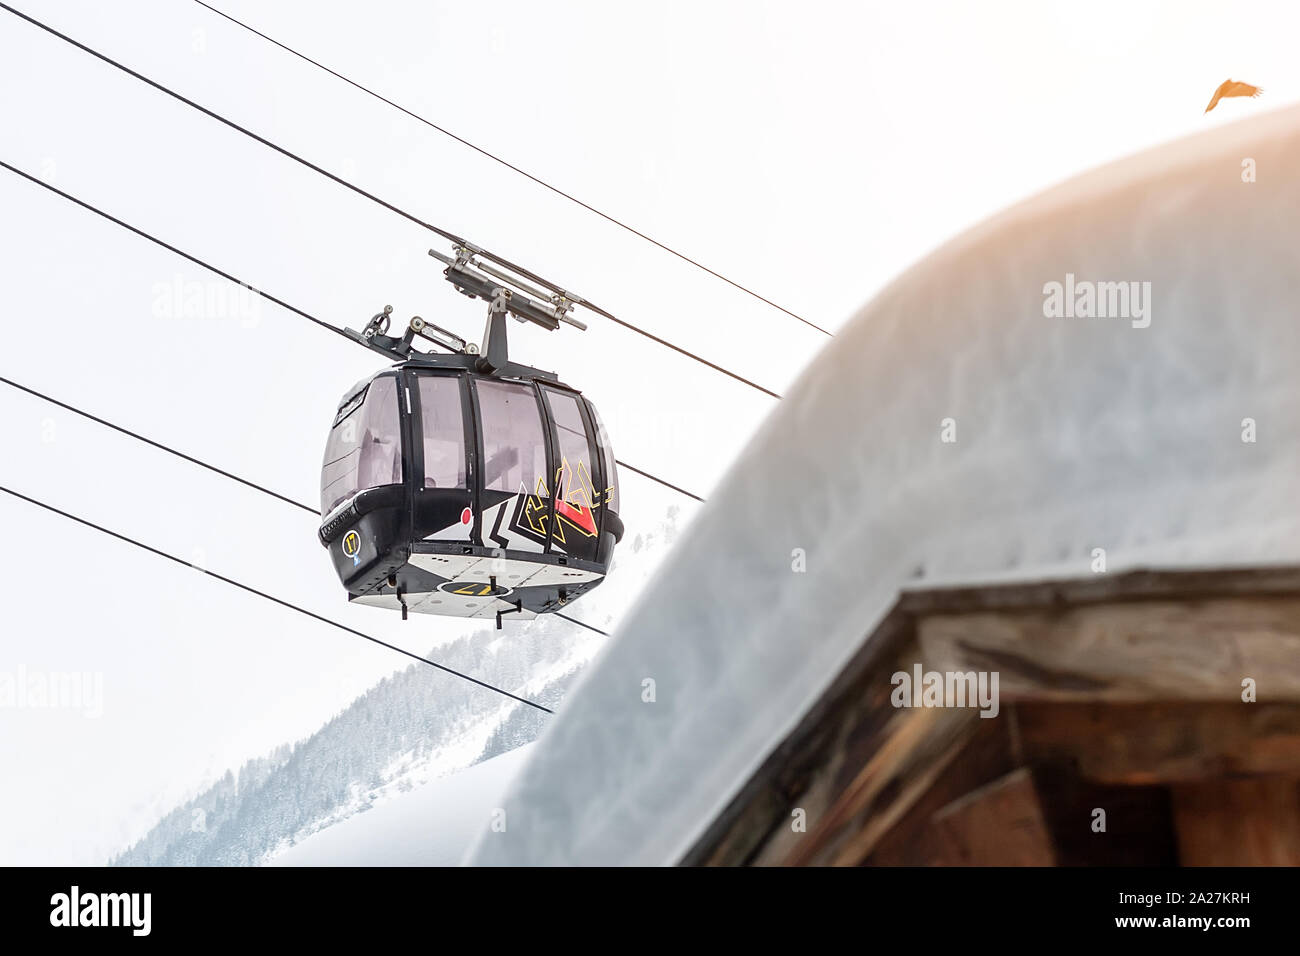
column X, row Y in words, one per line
column 1071, row 434
column 413, row 728
column 431, row 825
column 409, row 729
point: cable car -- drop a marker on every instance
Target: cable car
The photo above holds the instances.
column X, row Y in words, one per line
column 461, row 483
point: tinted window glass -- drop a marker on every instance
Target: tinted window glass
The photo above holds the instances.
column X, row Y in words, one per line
column 611, row 499
column 364, row 448
column 576, row 481
column 514, row 449
column 444, row 431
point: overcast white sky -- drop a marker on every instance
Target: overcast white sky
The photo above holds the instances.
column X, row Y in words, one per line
column 808, row 150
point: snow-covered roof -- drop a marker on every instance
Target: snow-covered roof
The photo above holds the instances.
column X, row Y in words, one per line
column 1071, row 434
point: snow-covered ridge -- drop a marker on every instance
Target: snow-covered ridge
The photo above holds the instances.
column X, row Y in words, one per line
column 431, row 825
column 1174, row 444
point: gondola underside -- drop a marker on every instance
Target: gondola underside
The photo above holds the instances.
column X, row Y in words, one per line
column 460, row 585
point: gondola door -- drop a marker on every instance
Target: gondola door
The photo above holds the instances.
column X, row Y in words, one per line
column 575, row 478
column 513, row 473
column 441, row 458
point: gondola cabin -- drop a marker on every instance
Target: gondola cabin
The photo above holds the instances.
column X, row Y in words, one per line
column 466, row 485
